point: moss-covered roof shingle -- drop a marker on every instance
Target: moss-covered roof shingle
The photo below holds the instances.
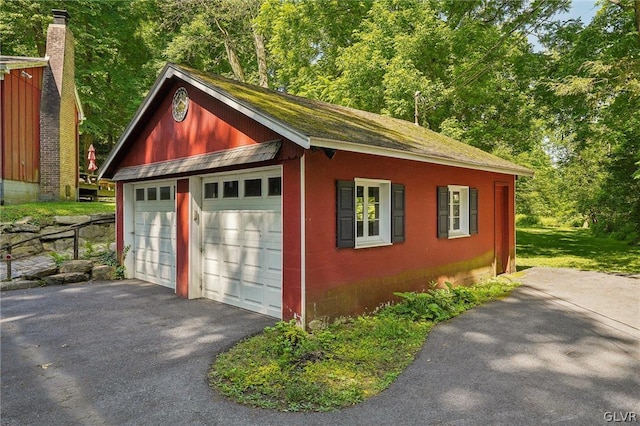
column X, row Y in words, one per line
column 309, row 123
column 324, row 121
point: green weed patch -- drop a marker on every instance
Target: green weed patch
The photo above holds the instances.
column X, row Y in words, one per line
column 289, row 369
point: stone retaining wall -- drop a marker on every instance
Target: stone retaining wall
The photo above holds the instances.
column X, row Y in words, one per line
column 93, row 238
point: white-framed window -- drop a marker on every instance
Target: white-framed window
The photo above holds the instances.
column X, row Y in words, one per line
column 369, row 213
column 458, row 211
column 372, row 210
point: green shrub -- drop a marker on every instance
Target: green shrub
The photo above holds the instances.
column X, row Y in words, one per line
column 528, row 220
column 111, row 258
column 59, row 259
column 340, row 364
column 441, row 304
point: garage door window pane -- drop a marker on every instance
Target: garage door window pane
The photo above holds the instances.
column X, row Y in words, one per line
column 253, row 188
column 275, row 186
column 139, row 194
column 151, row 194
column 211, row 190
column 165, row 192
column 230, row 189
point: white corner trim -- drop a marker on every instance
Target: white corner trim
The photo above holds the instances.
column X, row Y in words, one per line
column 128, row 229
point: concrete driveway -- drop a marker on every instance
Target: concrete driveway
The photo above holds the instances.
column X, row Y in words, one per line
column 563, row 348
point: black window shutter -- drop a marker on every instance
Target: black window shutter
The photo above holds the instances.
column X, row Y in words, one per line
column 443, row 212
column 473, row 210
column 345, row 214
column 397, row 213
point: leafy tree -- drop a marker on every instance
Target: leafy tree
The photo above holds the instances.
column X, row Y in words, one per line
column 218, row 36
column 592, row 82
column 23, row 27
column 304, row 40
column 108, row 52
column 568, row 111
column 470, row 61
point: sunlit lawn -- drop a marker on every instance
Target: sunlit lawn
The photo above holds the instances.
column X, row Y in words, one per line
column 43, row 211
column 575, row 248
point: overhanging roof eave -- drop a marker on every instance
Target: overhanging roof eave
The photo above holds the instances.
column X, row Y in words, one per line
column 249, row 154
column 415, row 156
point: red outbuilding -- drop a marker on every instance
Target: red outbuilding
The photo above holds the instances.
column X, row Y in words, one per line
column 297, row 208
column 40, row 115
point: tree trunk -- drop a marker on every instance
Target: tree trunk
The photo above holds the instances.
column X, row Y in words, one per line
column 236, row 67
column 41, row 40
column 232, row 57
column 261, row 54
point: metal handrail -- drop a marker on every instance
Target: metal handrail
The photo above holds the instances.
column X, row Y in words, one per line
column 76, row 235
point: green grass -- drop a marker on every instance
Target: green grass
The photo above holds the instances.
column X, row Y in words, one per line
column 42, row 213
column 288, row 369
column 574, row 248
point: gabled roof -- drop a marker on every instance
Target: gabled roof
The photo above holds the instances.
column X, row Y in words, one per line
column 8, row 63
column 309, row 123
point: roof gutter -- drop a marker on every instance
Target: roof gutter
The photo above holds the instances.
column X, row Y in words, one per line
column 406, row 155
column 8, row 63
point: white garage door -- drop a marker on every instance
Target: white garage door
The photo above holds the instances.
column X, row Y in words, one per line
column 154, row 243
column 242, row 240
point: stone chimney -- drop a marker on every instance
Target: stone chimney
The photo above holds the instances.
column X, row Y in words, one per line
column 59, row 115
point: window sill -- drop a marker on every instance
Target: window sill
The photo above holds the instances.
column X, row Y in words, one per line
column 372, row 244
column 460, row 235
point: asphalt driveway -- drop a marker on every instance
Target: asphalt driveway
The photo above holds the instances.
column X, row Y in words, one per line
column 563, row 348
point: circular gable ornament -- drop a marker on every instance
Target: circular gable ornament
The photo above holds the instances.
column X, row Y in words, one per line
column 180, row 104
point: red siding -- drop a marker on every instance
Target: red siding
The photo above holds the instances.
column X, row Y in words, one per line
column 291, row 285
column 505, row 253
column 182, row 238
column 209, row 126
column 20, row 119
column 343, row 281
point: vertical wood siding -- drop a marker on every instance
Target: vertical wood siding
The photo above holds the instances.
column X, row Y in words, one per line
column 208, row 127
column 21, row 125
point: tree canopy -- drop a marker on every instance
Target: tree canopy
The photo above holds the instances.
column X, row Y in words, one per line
column 566, row 106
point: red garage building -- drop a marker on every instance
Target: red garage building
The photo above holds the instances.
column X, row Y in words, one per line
column 297, row 208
